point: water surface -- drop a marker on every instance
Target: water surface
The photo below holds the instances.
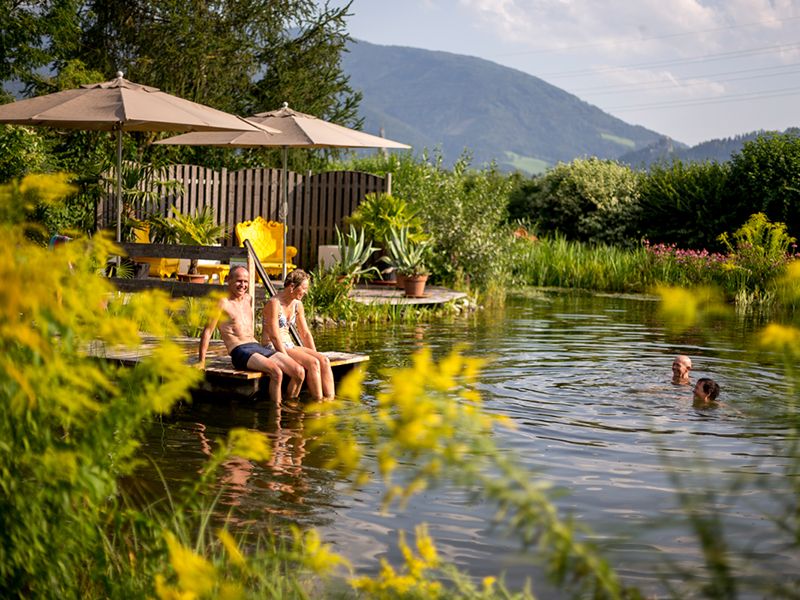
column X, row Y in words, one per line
column 586, row 380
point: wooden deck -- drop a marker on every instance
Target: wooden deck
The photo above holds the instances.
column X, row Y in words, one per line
column 220, row 375
column 381, row 294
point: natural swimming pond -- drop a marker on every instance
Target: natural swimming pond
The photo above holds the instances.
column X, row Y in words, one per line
column 586, row 381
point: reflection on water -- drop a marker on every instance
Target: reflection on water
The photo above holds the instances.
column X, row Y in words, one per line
column 587, row 381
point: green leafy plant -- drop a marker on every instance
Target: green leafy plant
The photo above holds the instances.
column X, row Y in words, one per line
column 759, row 251
column 354, row 251
column 200, row 229
column 378, row 214
column 405, row 255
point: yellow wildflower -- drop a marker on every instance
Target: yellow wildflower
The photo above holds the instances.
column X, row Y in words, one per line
column 168, row 592
column 195, row 573
column 780, row 338
column 315, row 555
column 231, row 547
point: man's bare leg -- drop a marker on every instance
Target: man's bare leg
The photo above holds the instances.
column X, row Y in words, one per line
column 293, row 370
column 259, row 362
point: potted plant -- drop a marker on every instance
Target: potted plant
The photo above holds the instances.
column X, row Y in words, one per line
column 354, row 251
column 378, row 214
column 407, row 258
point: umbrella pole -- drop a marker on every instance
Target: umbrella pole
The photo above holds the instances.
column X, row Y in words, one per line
column 285, row 207
column 119, row 184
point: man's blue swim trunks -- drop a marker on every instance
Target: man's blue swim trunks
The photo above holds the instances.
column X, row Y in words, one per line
column 241, row 354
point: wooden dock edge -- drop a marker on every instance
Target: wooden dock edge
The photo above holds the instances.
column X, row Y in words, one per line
column 218, row 364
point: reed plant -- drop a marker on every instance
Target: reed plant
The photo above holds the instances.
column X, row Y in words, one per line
column 748, row 274
column 558, row 262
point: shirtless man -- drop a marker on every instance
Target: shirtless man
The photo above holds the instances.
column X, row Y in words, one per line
column 236, row 331
column 680, row 369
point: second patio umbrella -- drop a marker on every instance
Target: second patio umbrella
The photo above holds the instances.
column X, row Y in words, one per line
column 121, row 105
column 297, row 130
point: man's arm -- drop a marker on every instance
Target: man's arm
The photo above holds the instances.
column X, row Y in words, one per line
column 205, row 338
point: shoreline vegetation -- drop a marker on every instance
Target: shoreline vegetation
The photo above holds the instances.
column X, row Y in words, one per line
column 71, row 426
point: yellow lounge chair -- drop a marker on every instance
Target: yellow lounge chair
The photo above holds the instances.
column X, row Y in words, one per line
column 159, row 267
column 267, row 239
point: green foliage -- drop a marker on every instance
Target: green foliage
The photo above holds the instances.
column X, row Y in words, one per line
column 200, row 229
column 354, row 252
column 759, row 252
column 590, row 200
column 69, row 423
column 328, row 296
column 558, row 262
column 405, row 255
column 22, row 151
column 463, row 210
column 378, row 214
column 765, row 177
column 687, row 204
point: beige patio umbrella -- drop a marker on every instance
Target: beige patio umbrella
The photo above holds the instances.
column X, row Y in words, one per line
column 121, row 105
column 297, row 130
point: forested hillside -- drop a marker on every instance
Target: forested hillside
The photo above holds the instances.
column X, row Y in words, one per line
column 437, row 99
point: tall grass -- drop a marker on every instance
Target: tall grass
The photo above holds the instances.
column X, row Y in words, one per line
column 749, row 274
column 558, row 262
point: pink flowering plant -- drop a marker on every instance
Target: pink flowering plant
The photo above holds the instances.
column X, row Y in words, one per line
column 757, row 255
column 686, row 267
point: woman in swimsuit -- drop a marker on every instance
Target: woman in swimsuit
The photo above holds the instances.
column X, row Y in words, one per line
column 286, row 309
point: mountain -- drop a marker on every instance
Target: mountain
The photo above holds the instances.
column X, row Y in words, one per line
column 437, row 99
column 666, row 150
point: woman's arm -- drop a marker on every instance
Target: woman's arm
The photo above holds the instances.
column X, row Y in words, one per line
column 270, row 332
column 302, row 328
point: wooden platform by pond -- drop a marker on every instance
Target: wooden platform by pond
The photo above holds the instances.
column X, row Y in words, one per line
column 381, row 294
column 220, row 375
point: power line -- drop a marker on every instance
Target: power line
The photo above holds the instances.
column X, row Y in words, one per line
column 646, row 39
column 700, row 101
column 671, row 82
column 680, row 61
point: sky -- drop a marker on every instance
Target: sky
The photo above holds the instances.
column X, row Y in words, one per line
column 690, row 69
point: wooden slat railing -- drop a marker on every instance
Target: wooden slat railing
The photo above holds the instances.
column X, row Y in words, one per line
column 318, row 202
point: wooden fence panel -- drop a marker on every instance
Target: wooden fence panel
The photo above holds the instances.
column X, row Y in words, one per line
column 318, row 202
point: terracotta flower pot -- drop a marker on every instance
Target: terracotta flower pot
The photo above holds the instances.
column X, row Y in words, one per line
column 400, row 281
column 415, row 285
column 192, row 277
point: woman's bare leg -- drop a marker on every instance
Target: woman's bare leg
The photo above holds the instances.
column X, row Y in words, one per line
column 312, row 367
column 326, row 373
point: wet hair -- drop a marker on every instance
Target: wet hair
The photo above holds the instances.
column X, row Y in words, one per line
column 295, row 278
column 710, row 388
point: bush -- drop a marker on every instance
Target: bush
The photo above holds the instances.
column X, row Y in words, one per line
column 686, row 204
column 765, row 177
column 464, row 211
column 69, row 423
column 589, row 200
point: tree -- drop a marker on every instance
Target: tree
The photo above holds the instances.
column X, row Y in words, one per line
column 687, row 204
column 241, row 56
column 765, row 177
column 589, row 200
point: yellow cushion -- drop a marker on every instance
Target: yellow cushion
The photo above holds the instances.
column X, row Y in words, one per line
column 267, row 239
